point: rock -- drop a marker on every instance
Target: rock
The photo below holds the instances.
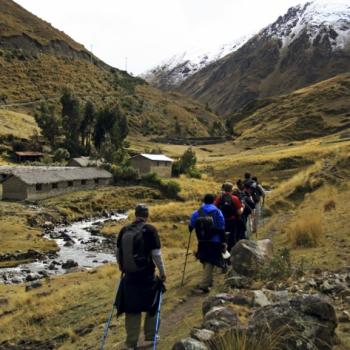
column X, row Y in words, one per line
column 66, row 237
column 259, row 299
column 237, row 281
column 48, row 225
column 202, row 335
column 69, row 244
column 247, row 257
column 36, row 284
column 43, row 273
column 344, row 317
column 219, row 318
column 306, row 322
column 277, row 297
column 52, row 266
column 189, row 344
column 216, row 300
column 32, row 277
column 69, row 264
column 15, row 280
column 95, row 231
column 240, row 300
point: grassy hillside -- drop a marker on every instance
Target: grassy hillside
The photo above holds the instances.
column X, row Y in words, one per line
column 317, row 110
column 38, row 61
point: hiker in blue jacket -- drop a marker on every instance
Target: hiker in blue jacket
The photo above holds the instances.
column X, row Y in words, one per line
column 209, row 224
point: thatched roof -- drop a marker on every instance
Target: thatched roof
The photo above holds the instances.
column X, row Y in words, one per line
column 46, row 175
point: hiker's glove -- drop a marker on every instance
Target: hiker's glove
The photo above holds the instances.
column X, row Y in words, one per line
column 224, row 247
column 162, row 278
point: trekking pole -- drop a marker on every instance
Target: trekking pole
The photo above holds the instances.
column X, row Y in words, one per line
column 155, row 340
column 184, row 270
column 105, row 332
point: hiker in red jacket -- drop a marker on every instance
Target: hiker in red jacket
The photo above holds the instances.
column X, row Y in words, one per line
column 232, row 209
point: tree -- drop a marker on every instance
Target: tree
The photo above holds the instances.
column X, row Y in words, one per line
column 188, row 160
column 71, row 121
column 178, row 127
column 229, row 124
column 49, row 123
column 87, row 125
column 217, row 129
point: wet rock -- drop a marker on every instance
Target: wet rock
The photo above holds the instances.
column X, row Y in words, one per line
column 95, row 231
column 16, row 280
column 219, row 318
column 43, row 273
column 32, row 277
column 344, row 317
column 48, row 225
column 69, row 244
column 35, row 284
column 69, row 264
column 66, row 237
column 247, row 257
column 202, row 335
column 55, row 235
column 307, row 322
column 52, row 267
column 189, row 344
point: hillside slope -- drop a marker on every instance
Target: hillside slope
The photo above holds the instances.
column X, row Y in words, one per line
column 314, row 111
column 308, row 44
column 37, row 61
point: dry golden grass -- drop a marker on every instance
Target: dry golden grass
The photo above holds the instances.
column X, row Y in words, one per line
column 17, row 124
column 306, row 231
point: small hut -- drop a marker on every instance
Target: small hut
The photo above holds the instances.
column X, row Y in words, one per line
column 152, row 163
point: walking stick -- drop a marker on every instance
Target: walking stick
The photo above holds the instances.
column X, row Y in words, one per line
column 105, row 332
column 155, row 340
column 184, row 270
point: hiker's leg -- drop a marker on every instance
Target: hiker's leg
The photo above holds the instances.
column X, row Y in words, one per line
column 132, row 327
column 150, row 326
column 207, row 279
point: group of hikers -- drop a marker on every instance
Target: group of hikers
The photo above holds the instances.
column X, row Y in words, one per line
column 219, row 223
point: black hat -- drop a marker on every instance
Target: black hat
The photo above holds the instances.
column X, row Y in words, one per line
column 141, row 210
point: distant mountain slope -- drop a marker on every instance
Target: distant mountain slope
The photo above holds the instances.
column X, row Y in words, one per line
column 308, row 44
column 37, row 61
column 318, row 110
column 173, row 71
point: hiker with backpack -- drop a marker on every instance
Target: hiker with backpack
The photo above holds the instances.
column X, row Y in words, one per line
column 258, row 195
column 138, row 255
column 209, row 224
column 249, row 206
column 232, row 209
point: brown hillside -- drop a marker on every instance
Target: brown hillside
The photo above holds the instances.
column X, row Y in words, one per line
column 37, row 62
column 318, row 110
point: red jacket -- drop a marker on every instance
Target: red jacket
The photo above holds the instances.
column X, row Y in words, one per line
column 235, row 200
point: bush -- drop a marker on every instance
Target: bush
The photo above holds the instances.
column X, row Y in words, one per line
column 194, row 173
column 61, row 154
column 151, row 179
column 169, row 189
column 306, row 232
column 124, row 174
column 278, row 268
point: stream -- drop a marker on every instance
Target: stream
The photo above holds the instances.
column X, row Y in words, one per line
column 80, row 247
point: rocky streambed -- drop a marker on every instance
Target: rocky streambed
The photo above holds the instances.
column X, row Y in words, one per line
column 80, row 247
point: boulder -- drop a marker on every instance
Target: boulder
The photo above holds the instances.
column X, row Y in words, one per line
column 32, row 277
column 189, row 344
column 305, row 322
column 33, row 285
column 216, row 300
column 344, row 317
column 219, row 318
column 259, row 299
column 202, row 335
column 247, row 257
column 69, row 264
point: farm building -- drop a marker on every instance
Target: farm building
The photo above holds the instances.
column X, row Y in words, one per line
column 152, row 163
column 29, row 156
column 34, row 183
column 84, row 162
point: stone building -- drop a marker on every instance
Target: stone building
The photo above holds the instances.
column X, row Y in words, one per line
column 152, row 163
column 33, row 183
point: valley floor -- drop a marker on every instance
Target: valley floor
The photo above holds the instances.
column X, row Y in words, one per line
column 69, row 311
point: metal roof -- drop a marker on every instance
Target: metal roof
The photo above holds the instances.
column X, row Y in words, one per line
column 157, row 157
column 45, row 175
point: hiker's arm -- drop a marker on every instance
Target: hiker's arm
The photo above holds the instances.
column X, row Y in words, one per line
column 158, row 260
column 192, row 222
column 117, row 250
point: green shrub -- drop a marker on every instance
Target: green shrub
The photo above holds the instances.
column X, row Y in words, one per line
column 61, row 154
column 170, row 189
column 123, row 174
column 278, row 268
column 194, row 173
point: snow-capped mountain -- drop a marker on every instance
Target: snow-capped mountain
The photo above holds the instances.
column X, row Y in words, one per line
column 316, row 18
column 174, row 70
column 310, row 43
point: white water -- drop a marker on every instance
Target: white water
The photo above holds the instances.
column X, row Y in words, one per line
column 79, row 251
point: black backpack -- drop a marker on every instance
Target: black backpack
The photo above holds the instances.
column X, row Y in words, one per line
column 205, row 225
column 227, row 206
column 257, row 194
column 133, row 252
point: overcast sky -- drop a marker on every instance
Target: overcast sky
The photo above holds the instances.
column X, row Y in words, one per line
column 149, row 31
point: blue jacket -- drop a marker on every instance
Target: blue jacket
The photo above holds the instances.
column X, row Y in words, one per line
column 219, row 221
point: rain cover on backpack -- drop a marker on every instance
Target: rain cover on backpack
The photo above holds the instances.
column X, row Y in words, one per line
column 134, row 257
